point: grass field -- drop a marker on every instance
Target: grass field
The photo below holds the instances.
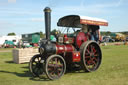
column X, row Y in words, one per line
column 113, row 71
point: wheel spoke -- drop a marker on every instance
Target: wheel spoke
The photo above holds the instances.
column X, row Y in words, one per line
column 95, row 59
column 88, row 51
column 87, row 56
column 93, row 62
column 89, row 62
column 36, row 70
column 93, row 49
column 49, row 69
column 35, row 62
column 51, row 65
column 38, row 59
column 51, row 62
column 41, row 70
column 56, row 60
column 52, row 73
column 96, row 55
column 59, row 71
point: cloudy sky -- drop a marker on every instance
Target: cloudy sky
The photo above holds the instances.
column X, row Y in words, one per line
column 26, row 16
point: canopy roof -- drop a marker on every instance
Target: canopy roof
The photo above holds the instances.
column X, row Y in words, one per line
column 77, row 21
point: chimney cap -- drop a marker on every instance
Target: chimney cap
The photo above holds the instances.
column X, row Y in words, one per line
column 47, row 9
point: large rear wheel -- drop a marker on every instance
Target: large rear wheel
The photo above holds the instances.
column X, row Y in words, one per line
column 55, row 67
column 91, row 56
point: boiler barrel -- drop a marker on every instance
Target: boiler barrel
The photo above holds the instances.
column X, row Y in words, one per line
column 53, row 48
column 64, row 48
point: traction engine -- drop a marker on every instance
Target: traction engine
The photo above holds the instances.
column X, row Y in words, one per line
column 77, row 50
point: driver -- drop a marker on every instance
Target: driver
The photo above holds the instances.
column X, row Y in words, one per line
column 94, row 32
column 84, row 28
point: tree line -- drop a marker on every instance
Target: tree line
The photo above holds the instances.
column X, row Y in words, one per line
column 103, row 33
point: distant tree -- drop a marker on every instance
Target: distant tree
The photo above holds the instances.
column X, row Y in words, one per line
column 108, row 33
column 11, row 34
column 125, row 32
column 42, row 35
column 54, row 31
column 103, row 33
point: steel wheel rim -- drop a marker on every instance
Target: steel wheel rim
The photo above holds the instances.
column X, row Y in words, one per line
column 55, row 67
column 35, row 66
column 92, row 57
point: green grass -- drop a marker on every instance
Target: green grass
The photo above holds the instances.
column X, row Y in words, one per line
column 113, row 71
column 5, row 49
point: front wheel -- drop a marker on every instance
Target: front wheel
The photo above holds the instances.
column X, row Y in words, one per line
column 55, row 67
column 35, row 66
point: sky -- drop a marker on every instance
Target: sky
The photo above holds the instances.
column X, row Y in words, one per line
column 27, row 16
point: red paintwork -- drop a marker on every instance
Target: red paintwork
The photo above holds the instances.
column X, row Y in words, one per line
column 65, row 35
column 76, row 56
column 73, row 56
column 68, row 40
column 65, row 38
column 35, row 45
column 81, row 37
column 92, row 22
column 64, row 48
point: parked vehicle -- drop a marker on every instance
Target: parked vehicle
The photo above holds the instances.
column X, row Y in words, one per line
column 118, row 36
column 107, row 39
column 8, row 44
column 32, row 38
column 126, row 38
column 14, row 39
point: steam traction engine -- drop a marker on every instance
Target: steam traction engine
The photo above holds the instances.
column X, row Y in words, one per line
column 78, row 49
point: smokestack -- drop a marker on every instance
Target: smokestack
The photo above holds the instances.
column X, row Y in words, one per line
column 47, row 15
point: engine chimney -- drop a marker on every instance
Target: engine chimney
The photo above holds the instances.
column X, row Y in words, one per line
column 47, row 15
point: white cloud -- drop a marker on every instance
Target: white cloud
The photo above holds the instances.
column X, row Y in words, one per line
column 19, row 12
column 37, row 19
column 11, row 1
column 6, row 25
column 82, row 10
column 106, row 5
column 93, row 9
column 120, row 2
